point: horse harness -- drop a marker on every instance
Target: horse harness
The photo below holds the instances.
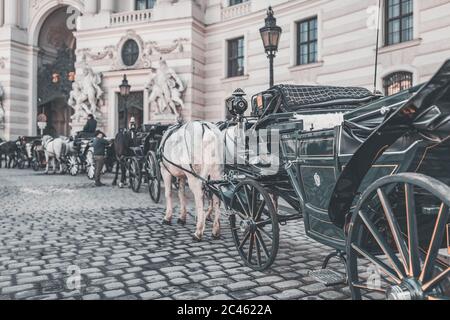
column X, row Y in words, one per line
column 163, row 158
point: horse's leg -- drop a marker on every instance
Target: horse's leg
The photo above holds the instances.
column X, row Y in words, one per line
column 182, row 197
column 215, row 204
column 123, row 172
column 216, row 208
column 167, row 178
column 54, row 165
column 117, row 172
column 197, row 189
column 61, row 165
column 210, row 210
column 47, row 160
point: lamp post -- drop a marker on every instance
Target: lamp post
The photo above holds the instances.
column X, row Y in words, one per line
column 270, row 35
column 125, row 89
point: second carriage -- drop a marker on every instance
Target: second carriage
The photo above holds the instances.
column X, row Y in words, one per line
column 142, row 166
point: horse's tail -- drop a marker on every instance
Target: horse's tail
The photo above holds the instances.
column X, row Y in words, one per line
column 63, row 151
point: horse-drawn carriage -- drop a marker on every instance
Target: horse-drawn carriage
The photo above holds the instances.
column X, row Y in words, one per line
column 142, row 165
column 369, row 175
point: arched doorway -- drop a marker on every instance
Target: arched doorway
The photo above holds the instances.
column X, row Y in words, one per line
column 56, row 71
column 134, row 109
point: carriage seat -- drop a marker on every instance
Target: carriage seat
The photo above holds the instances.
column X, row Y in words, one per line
column 299, row 98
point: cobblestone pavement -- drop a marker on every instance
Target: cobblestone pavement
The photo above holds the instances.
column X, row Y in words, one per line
column 54, row 226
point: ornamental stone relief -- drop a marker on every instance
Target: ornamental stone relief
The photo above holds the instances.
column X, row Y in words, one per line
column 146, row 51
column 3, row 62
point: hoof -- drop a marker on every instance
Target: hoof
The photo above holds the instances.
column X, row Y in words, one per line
column 216, row 237
column 114, row 184
column 181, row 222
column 196, row 238
column 121, row 185
column 166, row 223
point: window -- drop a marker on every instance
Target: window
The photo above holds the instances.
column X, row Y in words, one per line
column 130, row 53
column 396, row 82
column 399, row 21
column 236, row 57
column 145, row 4
column 235, row 2
column 307, row 41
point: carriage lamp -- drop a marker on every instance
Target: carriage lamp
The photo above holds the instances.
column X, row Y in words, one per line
column 236, row 104
column 55, row 78
column 125, row 90
column 270, row 35
column 71, row 76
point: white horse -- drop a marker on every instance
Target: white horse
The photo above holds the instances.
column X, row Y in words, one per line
column 192, row 153
column 54, row 149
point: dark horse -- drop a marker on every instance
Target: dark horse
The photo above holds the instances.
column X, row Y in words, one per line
column 9, row 150
column 124, row 141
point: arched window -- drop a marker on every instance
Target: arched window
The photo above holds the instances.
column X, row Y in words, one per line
column 130, row 53
column 396, row 82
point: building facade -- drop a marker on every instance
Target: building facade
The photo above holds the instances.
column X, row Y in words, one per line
column 66, row 58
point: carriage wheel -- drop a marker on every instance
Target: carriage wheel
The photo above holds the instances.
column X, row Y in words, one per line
column 394, row 243
column 90, row 165
column 35, row 165
column 72, row 166
column 21, row 163
column 154, row 177
column 135, row 175
column 254, row 225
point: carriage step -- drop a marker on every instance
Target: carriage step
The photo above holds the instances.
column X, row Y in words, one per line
column 328, row 277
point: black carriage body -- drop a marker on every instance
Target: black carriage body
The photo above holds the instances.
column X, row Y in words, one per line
column 313, row 160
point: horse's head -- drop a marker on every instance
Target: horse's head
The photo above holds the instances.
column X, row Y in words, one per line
column 123, row 142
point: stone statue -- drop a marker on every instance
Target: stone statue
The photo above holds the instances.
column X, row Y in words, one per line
column 86, row 94
column 91, row 88
column 2, row 110
column 76, row 101
column 166, row 90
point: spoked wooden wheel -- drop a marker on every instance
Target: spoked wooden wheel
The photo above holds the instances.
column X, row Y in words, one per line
column 254, row 225
column 397, row 240
column 73, row 166
column 135, row 175
column 21, row 163
column 35, row 165
column 154, row 177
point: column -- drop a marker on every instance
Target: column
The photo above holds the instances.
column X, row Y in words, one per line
column 11, row 12
column 2, row 13
column 90, row 6
column 107, row 5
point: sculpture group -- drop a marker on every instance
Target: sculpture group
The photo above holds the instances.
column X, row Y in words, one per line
column 86, row 94
column 165, row 90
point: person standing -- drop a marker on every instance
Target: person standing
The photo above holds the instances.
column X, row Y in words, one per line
column 99, row 145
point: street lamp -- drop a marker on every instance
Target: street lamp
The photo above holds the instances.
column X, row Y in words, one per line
column 270, row 35
column 125, row 89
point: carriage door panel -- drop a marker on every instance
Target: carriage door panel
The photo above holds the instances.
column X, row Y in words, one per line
column 317, row 167
column 318, row 176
